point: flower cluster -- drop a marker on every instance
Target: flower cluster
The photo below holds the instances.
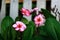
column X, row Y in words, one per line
column 39, row 20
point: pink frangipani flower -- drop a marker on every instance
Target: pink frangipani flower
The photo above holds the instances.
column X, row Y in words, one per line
column 39, row 20
column 25, row 12
column 19, row 26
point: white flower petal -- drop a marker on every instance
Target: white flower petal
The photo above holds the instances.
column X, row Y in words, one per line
column 18, row 22
column 22, row 29
column 17, row 29
column 14, row 25
column 35, row 19
column 35, row 8
column 24, row 26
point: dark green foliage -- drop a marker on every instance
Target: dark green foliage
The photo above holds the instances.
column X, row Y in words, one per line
column 28, row 33
column 24, row 20
column 1, row 38
column 53, row 28
column 21, row 5
column 6, row 28
column 46, row 13
column 7, row 21
column 33, row 15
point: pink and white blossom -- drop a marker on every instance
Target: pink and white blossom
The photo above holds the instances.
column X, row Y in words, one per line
column 25, row 12
column 39, row 20
column 19, row 26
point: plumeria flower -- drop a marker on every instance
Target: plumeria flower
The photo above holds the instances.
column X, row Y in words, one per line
column 39, row 20
column 28, row 12
column 25, row 12
column 19, row 26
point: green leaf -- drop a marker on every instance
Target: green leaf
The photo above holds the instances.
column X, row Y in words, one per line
column 47, row 14
column 42, row 31
column 13, row 33
column 24, row 20
column 20, row 5
column 28, row 33
column 37, row 38
column 6, row 27
column 33, row 15
column 19, row 17
column 56, row 25
column 52, row 27
column 1, row 38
